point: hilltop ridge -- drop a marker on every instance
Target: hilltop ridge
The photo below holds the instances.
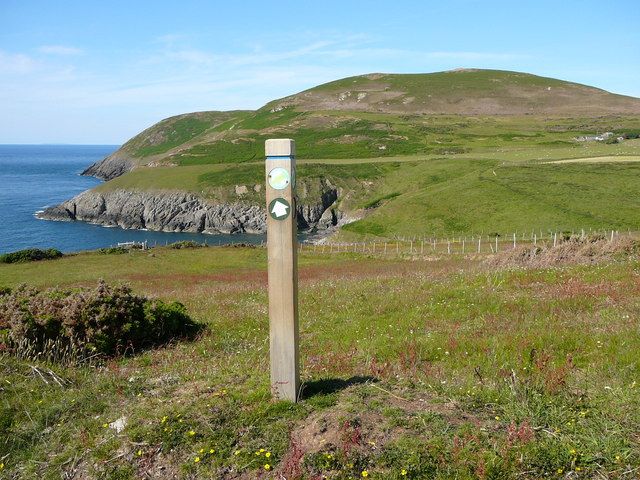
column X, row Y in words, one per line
column 463, row 91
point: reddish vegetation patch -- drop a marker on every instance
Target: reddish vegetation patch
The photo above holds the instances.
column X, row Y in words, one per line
column 575, row 287
column 307, row 274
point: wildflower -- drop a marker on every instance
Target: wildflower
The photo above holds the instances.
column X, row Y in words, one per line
column 1, row 466
column 201, row 450
column 262, row 450
column 560, row 470
column 105, row 425
column 578, row 469
column 164, row 419
column 618, row 458
column 196, row 460
column 236, row 453
column 139, row 453
column 497, row 417
column 365, row 473
column 268, row 454
column 191, row 433
column 267, row 467
column 572, row 451
column 403, row 472
column 212, row 450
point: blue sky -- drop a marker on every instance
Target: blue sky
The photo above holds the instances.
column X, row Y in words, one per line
column 101, row 71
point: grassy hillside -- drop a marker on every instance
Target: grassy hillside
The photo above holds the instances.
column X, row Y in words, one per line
column 463, row 91
column 439, row 369
column 441, row 137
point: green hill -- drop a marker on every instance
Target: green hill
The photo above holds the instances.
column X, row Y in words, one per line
column 440, row 153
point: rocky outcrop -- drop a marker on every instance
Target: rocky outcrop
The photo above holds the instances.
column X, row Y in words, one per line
column 185, row 212
column 116, row 164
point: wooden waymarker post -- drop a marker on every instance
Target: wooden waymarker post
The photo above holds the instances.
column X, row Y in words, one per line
column 282, row 268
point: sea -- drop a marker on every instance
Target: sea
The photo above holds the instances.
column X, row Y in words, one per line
column 33, row 177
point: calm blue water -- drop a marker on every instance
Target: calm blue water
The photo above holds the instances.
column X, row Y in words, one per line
column 35, row 176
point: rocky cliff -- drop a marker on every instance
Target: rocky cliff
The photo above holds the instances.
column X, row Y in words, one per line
column 185, row 212
column 116, row 164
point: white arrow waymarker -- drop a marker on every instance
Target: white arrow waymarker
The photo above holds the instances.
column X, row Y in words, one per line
column 280, row 209
column 283, row 268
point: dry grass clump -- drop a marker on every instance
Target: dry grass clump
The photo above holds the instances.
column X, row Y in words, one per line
column 573, row 250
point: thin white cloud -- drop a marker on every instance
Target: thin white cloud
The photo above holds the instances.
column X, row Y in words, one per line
column 195, row 57
column 16, row 63
column 475, row 56
column 60, row 50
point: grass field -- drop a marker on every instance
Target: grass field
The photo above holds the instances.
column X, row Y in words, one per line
column 438, row 368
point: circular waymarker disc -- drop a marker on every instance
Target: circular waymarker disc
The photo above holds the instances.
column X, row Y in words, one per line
column 279, row 178
column 279, row 209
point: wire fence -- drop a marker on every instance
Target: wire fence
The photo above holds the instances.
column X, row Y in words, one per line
column 460, row 245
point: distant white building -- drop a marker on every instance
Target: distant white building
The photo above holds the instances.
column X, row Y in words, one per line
column 596, row 138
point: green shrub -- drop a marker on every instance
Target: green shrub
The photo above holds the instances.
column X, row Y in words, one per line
column 186, row 244
column 106, row 320
column 30, row 255
column 112, row 250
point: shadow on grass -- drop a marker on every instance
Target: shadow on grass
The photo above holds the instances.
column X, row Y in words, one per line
column 332, row 385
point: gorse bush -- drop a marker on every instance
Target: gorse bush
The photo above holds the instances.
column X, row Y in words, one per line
column 109, row 320
column 185, row 244
column 112, row 250
column 30, row 255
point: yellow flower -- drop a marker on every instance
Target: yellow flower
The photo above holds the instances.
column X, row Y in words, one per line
column 212, row 450
column 105, row 425
column 560, row 470
column 497, row 417
column 268, row 454
column 578, row 469
column 191, row 433
column 1, row 466
column 267, row 466
column 365, row 473
column 201, row 450
column 164, row 419
column 197, row 459
column 139, row 452
column 262, row 450
column 572, row 451
column 237, row 452
column 403, row 472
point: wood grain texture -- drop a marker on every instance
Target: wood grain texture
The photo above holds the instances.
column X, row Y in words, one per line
column 283, row 287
